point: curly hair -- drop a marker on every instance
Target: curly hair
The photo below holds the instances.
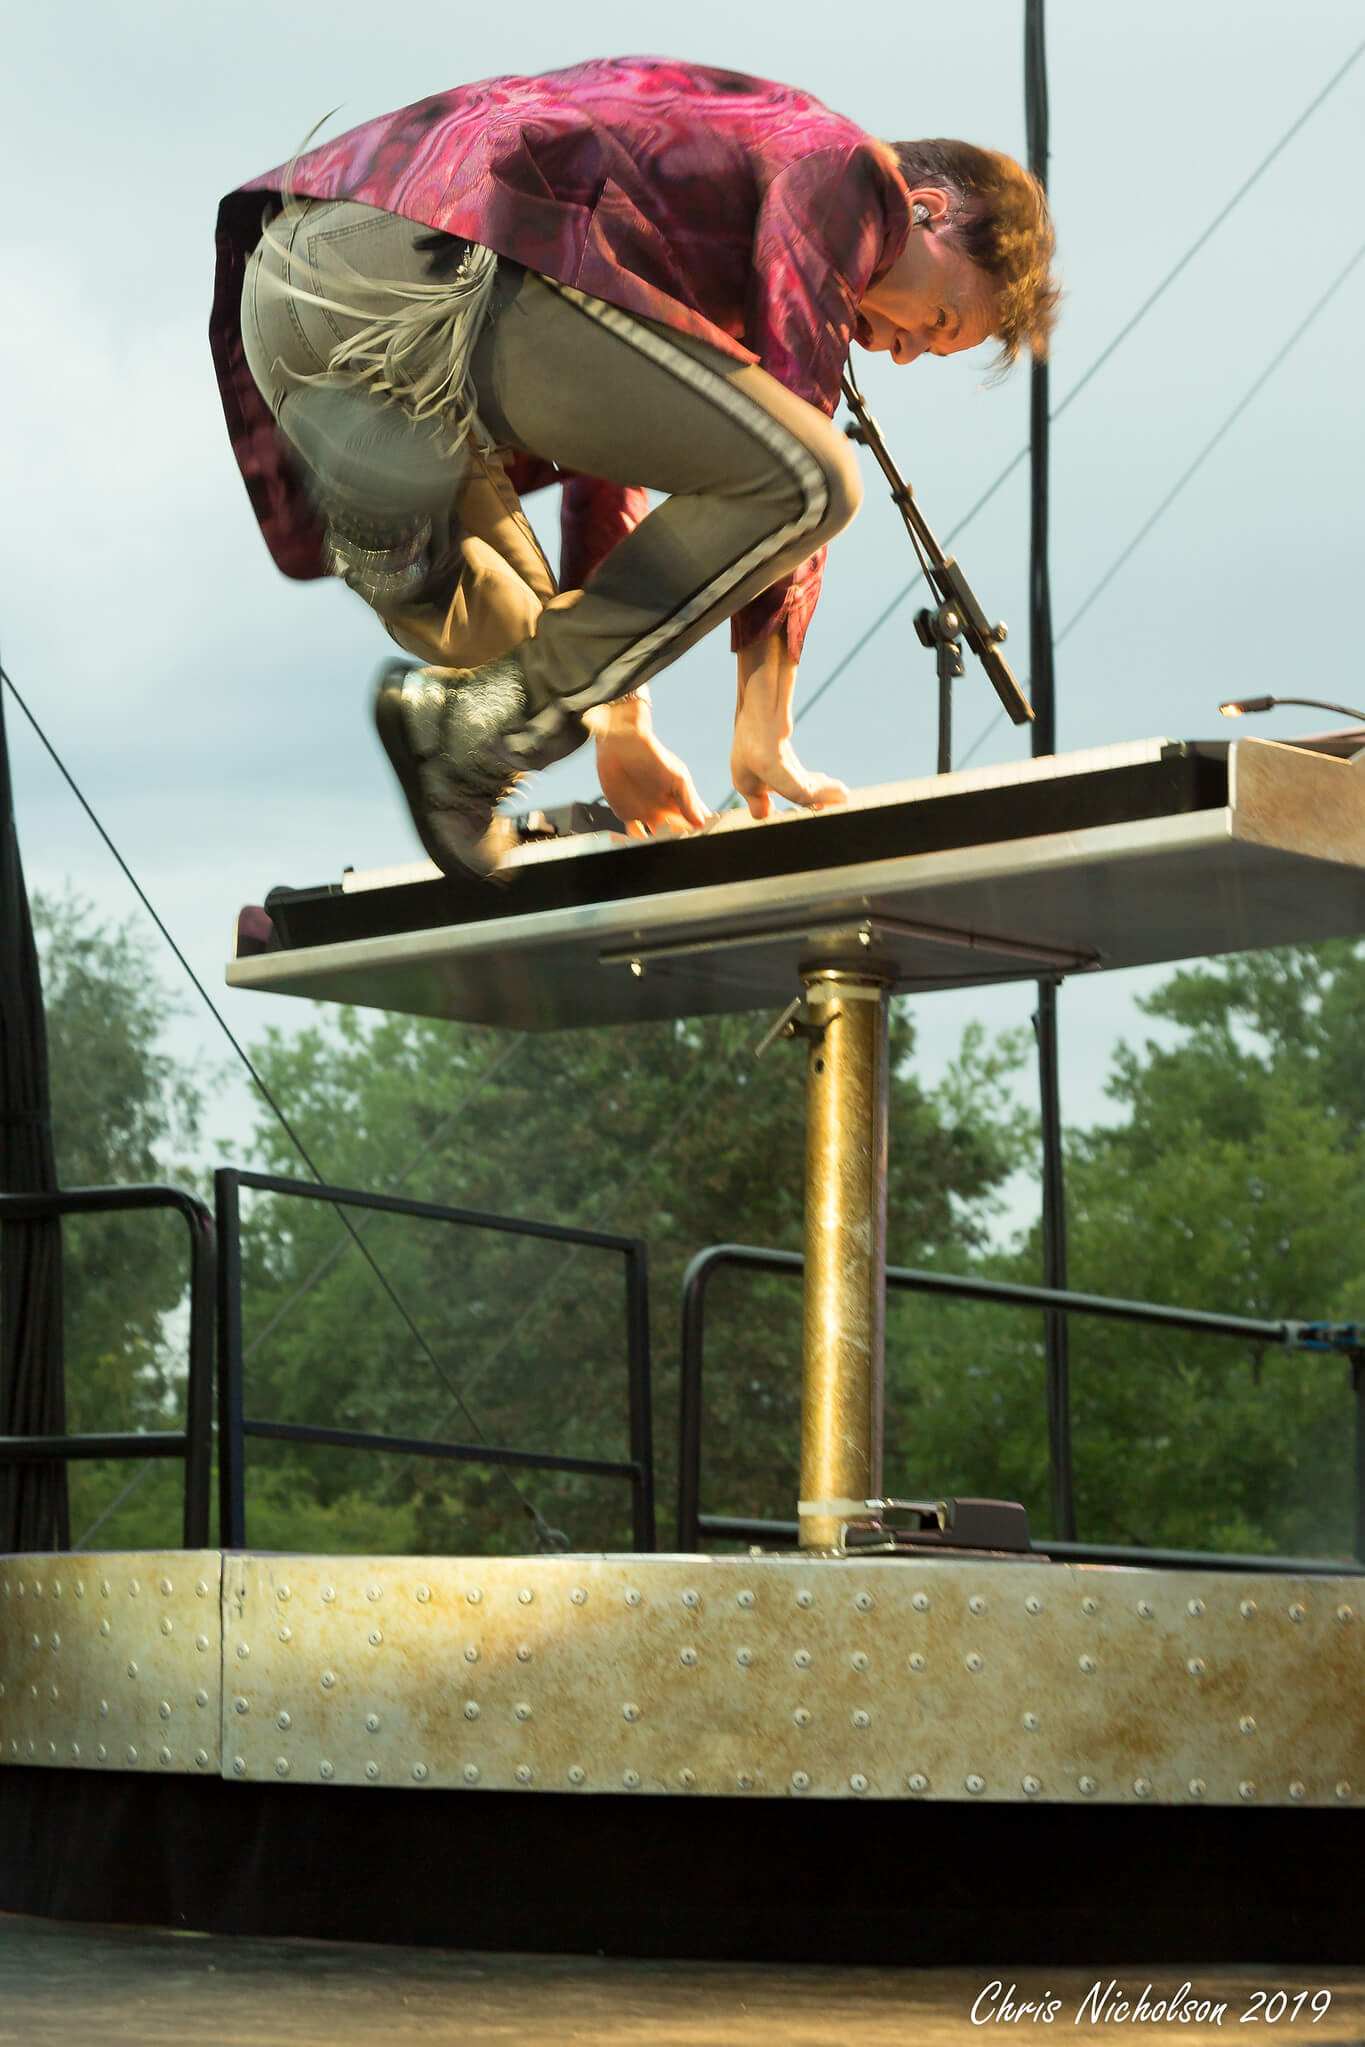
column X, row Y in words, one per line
column 1000, row 219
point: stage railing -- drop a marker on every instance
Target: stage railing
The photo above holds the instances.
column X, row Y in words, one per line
column 235, row 1426
column 1343, row 1342
column 193, row 1443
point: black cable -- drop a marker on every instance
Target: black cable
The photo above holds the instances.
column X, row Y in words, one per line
column 1130, row 549
column 526, row 1505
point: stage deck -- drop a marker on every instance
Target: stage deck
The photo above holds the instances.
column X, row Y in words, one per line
column 1120, row 857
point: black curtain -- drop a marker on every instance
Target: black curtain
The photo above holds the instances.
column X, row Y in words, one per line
column 34, row 1513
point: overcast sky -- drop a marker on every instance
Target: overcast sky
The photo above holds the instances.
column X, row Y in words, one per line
column 216, row 715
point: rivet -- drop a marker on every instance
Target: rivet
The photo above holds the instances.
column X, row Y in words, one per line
column 1195, row 1666
column 104, row 1588
column 689, row 1657
column 52, row 1694
column 525, row 1596
column 687, row 1778
column 474, row 1595
column 80, row 1588
column 918, row 1661
column 329, row 1593
column 471, row 1709
column 524, row 1652
column 132, row 1670
column 864, row 1602
column 419, row 1771
column 744, row 1782
column 1031, row 1786
column 470, row 1773
column 201, row 1643
column 1033, row 1604
column 632, row 1596
column 52, row 1751
column 167, row 1626
column 522, row 1711
column 629, row 1711
column 243, row 1650
column 132, row 1752
column 1087, row 1664
column 576, row 1773
column 861, row 1717
column 805, row 1598
column 105, row 1628
column 1197, row 1787
column 372, row 1592
column 1345, row 1614
column 1144, row 1607
column 1142, row 1787
column 524, row 1773
column 975, row 1661
column 201, row 1590
column 1086, row 1786
column 800, row 1781
column 134, row 1587
column 1246, row 1789
column 917, row 1781
column 372, row 1723
column 282, row 1592
column 802, row 1716
column 422, row 1594
column 631, row 1779
column 241, row 1705
column 36, row 1641
column 376, row 1637
column 164, row 1709
column 802, row 1659
column 1297, row 1790
column 471, row 1654
column 1032, row 1723
column 201, row 1757
column 976, row 1604
column 1297, row 1612
column 328, row 1679
column 1343, row 1790
column 744, row 1599
column 578, row 1596
column 1090, row 1604
column 1194, row 1608
column 57, row 1640
column 920, row 1602
column 744, row 1657
column 974, row 1783
column 284, row 1722
column 281, row 1766
column 239, row 1766
column 201, row 1698
column 857, row 1782
column 372, row 1771
column 859, row 1659
column 691, row 1598
column 104, row 1709
column 286, row 1634
column 1247, row 1724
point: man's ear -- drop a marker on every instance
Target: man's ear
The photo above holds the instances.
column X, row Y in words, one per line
column 930, row 206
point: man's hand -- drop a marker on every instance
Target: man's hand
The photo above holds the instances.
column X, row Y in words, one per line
column 648, row 787
column 763, row 761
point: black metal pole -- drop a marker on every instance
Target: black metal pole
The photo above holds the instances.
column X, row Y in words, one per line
column 1044, row 698
column 231, row 1437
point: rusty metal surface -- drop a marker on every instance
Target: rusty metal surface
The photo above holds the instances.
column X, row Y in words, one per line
column 111, row 1661
column 795, row 1677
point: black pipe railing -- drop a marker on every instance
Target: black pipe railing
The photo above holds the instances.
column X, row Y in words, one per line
column 1289, row 1335
column 193, row 1443
column 235, row 1426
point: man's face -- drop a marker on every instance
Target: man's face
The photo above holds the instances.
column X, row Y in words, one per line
column 933, row 300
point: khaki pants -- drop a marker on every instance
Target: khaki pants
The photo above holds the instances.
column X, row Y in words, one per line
column 754, row 479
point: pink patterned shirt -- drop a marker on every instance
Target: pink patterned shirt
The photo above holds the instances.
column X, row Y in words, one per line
column 741, row 212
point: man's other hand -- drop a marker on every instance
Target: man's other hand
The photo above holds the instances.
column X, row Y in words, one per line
column 647, row 786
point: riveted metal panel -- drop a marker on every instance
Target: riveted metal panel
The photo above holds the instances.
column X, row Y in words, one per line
column 795, row 1677
column 112, row 1661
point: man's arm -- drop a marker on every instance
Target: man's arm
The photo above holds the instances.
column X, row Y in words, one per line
column 763, row 762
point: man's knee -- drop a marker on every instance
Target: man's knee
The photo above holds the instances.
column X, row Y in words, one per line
column 843, row 485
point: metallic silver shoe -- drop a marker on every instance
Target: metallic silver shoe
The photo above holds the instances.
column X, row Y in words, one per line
column 459, row 741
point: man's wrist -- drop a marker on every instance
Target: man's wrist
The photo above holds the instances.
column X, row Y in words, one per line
column 625, row 714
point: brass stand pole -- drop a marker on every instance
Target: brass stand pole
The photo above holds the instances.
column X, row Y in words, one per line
column 843, row 1335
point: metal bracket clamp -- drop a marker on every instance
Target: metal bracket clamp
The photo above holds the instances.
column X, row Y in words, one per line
column 791, row 1025
column 903, row 1526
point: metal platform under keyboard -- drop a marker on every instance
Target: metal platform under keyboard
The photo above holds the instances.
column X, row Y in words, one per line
column 1118, row 857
